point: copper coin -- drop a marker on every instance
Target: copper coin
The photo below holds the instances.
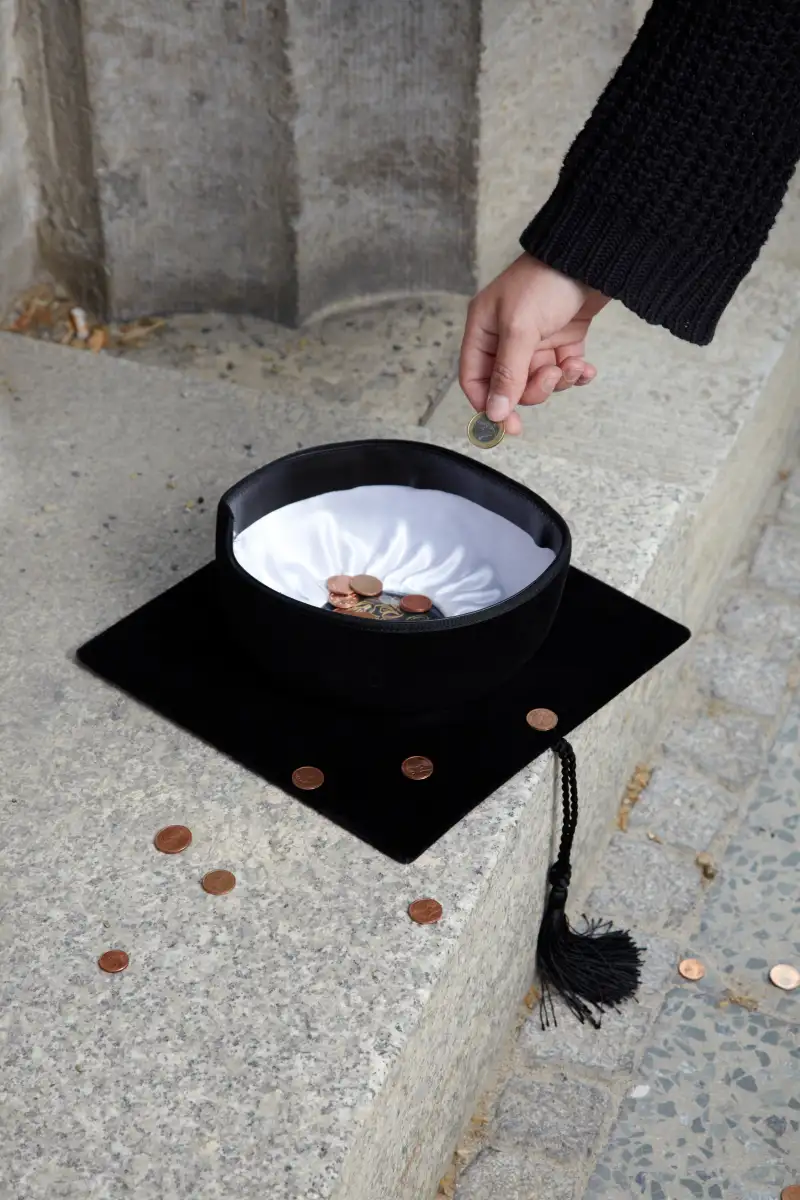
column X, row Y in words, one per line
column 217, row 883
column 425, row 912
column 366, row 585
column 785, row 977
column 113, row 961
column 308, row 779
column 691, row 968
column 172, row 839
column 339, row 584
column 792, row 1192
column 417, row 767
column 416, row 604
column 543, row 719
column 344, row 601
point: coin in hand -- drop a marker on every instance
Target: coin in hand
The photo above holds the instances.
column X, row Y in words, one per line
column 485, row 434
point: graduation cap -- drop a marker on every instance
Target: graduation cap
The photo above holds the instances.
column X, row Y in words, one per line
column 395, row 727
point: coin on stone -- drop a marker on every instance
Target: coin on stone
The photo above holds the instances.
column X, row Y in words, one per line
column 217, row 883
column 417, row 767
column 485, row 434
column 691, row 968
column 366, row 585
column 785, row 977
column 425, row 911
column 792, row 1192
column 343, row 600
column 416, row 604
column 172, row 839
column 113, row 961
column 308, row 779
column 339, row 584
column 543, row 719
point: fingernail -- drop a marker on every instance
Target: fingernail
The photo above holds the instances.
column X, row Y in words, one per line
column 549, row 380
column 499, row 408
column 573, row 375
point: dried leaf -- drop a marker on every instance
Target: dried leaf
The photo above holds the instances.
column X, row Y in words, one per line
column 98, row 339
column 137, row 331
column 654, row 837
column 80, row 323
column 532, row 997
column 739, row 998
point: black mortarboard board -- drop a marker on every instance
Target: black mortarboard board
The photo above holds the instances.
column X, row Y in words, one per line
column 248, row 654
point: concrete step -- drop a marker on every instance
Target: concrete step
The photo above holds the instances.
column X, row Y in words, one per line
column 307, row 1041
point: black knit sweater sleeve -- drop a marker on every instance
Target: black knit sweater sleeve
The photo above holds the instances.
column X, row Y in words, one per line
column 668, row 194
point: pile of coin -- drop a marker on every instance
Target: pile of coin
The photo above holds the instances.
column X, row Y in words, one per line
column 363, row 596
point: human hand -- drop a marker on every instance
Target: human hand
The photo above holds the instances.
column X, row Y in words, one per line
column 524, row 339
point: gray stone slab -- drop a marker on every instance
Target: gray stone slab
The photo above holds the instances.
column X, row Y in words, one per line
column 561, row 1119
column 505, row 1175
column 757, row 891
column 744, row 678
column 732, row 746
column 777, row 560
column 758, row 618
column 683, row 807
column 644, row 882
column 317, row 1017
column 714, row 1112
column 613, row 1048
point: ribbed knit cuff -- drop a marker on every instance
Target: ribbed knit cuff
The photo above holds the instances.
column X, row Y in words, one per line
column 655, row 275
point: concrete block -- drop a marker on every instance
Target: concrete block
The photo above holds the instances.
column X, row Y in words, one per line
column 505, row 1175
column 17, row 191
column 683, row 807
column 614, row 1047
column 69, row 229
column 644, row 883
column 777, row 560
column 731, row 746
column 384, row 139
column 534, row 97
column 193, row 149
column 560, row 1119
column 742, row 677
column 757, row 618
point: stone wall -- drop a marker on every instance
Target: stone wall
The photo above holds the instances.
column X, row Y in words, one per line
column 17, row 193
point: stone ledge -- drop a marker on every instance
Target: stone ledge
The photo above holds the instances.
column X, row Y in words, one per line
column 325, row 1026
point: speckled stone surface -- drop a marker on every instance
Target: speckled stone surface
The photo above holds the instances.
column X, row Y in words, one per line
column 294, row 1038
column 703, row 1077
column 716, row 1109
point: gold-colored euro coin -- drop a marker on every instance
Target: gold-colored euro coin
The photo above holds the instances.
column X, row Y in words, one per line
column 485, row 434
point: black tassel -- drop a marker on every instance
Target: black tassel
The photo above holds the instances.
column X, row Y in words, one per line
column 592, row 969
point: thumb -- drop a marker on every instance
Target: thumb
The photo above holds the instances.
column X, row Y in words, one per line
column 515, row 349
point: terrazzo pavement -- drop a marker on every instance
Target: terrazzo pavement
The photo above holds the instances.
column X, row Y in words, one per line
column 693, row 1091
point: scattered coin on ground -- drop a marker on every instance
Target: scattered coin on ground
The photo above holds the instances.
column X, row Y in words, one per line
column 543, row 719
column 308, row 779
column 691, row 968
column 416, row 604
column 785, row 977
column 425, row 912
column 216, row 883
column 113, row 961
column 172, row 839
column 485, row 434
column 339, row 584
column 417, row 767
column 366, row 585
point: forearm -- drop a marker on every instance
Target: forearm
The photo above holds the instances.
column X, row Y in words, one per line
column 669, row 192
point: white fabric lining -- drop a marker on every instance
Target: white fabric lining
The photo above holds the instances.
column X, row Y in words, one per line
column 461, row 555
